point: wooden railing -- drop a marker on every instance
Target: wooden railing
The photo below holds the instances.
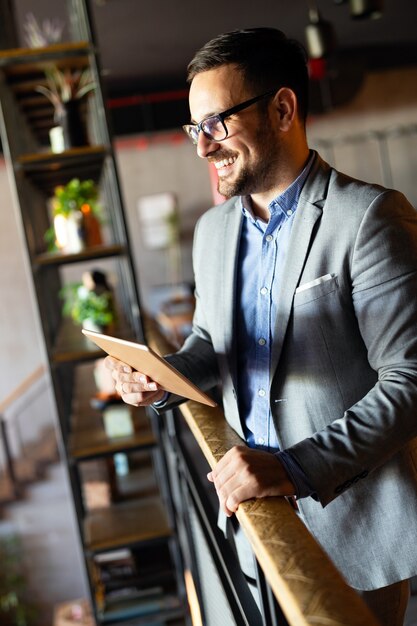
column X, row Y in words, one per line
column 22, row 388
column 308, row 587
column 19, row 469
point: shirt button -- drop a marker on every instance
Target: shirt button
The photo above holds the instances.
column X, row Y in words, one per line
column 261, row 392
column 262, row 341
column 264, row 291
column 261, row 441
column 269, row 238
column 289, row 212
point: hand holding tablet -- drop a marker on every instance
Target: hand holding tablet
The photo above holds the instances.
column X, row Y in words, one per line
column 154, row 367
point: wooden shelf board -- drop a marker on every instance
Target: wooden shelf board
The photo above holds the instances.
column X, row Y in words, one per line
column 126, row 524
column 46, row 170
column 31, row 70
column 95, row 442
column 41, row 161
column 93, row 252
column 64, row 52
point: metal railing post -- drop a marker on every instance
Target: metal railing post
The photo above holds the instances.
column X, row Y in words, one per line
column 8, row 455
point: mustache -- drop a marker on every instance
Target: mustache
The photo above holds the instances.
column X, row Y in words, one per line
column 220, row 155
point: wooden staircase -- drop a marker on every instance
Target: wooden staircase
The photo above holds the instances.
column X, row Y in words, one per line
column 22, row 468
column 29, row 468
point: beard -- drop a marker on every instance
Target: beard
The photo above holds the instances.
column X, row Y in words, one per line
column 258, row 177
column 246, row 183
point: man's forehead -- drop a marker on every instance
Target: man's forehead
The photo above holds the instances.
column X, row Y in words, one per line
column 227, row 73
column 215, row 90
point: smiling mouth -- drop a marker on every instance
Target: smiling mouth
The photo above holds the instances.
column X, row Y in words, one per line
column 224, row 163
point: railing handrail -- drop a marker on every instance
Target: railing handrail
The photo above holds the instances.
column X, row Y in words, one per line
column 308, row 586
column 21, row 388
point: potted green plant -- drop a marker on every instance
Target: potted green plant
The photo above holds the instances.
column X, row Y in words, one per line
column 66, row 89
column 76, row 216
column 16, row 606
column 90, row 303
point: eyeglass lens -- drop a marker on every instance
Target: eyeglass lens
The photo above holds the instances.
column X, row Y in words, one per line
column 212, row 127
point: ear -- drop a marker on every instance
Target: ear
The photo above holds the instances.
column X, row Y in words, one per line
column 286, row 105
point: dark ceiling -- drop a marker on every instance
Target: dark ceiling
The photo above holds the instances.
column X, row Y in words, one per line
column 145, row 45
column 150, row 42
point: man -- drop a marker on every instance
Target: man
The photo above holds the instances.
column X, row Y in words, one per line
column 306, row 284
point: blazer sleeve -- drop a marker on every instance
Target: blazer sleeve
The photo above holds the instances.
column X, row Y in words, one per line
column 197, row 358
column 384, row 298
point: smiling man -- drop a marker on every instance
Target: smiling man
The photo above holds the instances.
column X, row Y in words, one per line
column 306, row 312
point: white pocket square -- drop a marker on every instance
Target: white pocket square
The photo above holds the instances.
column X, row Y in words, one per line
column 316, row 281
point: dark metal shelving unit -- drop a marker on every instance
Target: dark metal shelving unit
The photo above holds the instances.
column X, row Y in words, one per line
column 141, row 521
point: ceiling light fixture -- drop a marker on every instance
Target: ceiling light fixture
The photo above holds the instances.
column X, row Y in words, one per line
column 320, row 35
column 366, row 9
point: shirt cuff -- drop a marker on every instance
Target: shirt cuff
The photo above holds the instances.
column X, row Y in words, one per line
column 162, row 401
column 303, row 489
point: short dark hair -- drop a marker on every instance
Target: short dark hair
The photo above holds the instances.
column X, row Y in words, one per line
column 266, row 56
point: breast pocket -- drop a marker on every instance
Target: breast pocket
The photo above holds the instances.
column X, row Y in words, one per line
column 315, row 289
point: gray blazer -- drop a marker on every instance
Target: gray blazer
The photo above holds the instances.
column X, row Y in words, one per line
column 344, row 366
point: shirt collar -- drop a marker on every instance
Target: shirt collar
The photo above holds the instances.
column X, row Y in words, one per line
column 285, row 202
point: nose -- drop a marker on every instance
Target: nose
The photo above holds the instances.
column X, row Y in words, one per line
column 205, row 146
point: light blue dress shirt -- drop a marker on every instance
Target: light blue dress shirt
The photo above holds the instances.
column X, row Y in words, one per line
column 262, row 255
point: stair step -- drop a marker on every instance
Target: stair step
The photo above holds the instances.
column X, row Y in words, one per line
column 45, row 449
column 26, row 471
column 7, row 491
column 30, row 466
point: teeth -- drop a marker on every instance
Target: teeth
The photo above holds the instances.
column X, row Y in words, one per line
column 224, row 162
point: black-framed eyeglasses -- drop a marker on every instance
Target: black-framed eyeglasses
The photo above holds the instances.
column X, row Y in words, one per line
column 214, row 127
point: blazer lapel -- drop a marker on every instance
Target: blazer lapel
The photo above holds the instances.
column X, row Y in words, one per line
column 308, row 212
column 230, row 253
